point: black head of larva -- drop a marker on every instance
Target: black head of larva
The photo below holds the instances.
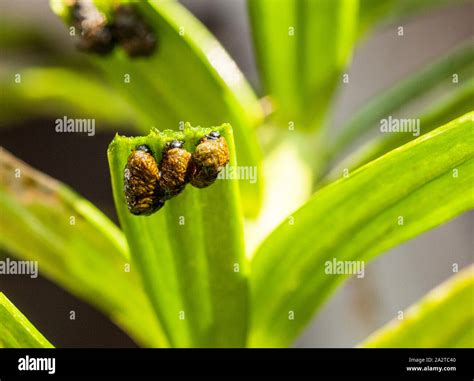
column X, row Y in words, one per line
column 213, row 135
column 209, row 158
column 140, row 179
column 144, row 148
column 175, row 144
column 132, row 32
column 173, row 169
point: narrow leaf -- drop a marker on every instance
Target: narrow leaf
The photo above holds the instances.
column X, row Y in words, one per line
column 444, row 318
column 373, row 12
column 449, row 108
column 190, row 252
column 75, row 245
column 17, row 37
column 302, row 47
column 403, row 93
column 388, row 201
column 57, row 92
column 16, row 331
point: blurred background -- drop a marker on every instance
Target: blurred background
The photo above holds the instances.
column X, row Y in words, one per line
column 391, row 283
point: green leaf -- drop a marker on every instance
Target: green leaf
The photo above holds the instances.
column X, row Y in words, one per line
column 190, row 252
column 444, row 318
column 16, row 331
column 452, row 107
column 302, row 47
column 17, row 36
column 75, row 245
column 54, row 91
column 425, row 182
column 373, row 12
column 190, row 77
column 404, row 93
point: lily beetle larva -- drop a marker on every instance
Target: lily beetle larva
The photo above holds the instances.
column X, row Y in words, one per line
column 209, row 158
column 173, row 167
column 141, row 177
column 131, row 31
column 96, row 34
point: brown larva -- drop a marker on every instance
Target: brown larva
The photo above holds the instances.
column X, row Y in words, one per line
column 141, row 177
column 131, row 31
column 209, row 158
column 173, row 167
column 96, row 34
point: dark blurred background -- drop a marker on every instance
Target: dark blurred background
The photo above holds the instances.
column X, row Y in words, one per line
column 392, row 282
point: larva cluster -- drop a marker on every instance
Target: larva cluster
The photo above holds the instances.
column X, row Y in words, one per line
column 147, row 184
column 98, row 35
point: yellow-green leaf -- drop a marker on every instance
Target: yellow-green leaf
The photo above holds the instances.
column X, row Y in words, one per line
column 16, row 331
column 444, row 318
column 75, row 245
column 190, row 252
column 390, row 200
